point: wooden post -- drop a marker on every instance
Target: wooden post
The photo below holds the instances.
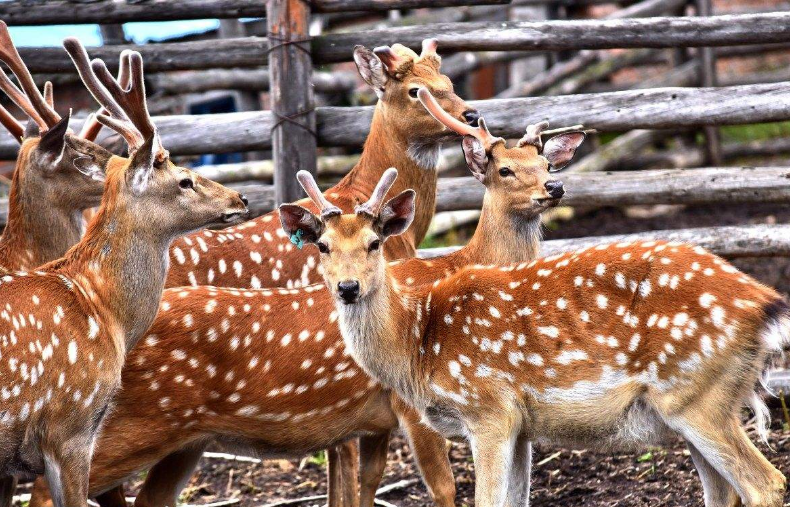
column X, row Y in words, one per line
column 291, row 68
column 708, row 78
column 112, row 34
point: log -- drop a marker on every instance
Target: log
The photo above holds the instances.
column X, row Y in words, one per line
column 263, row 170
column 666, row 108
column 663, row 186
column 256, row 80
column 728, row 241
column 56, row 12
column 663, row 32
column 292, row 133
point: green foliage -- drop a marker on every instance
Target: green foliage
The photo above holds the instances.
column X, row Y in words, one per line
column 318, row 458
column 756, row 132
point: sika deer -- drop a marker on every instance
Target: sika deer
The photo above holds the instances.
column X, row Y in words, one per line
column 54, row 166
column 613, row 346
column 266, row 369
column 66, row 327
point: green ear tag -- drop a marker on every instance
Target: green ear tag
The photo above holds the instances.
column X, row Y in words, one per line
column 296, row 239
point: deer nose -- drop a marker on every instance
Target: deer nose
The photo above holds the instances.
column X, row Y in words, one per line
column 555, row 189
column 348, row 290
column 244, row 199
column 471, row 117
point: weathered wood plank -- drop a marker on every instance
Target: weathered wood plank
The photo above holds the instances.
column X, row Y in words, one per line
column 664, row 108
column 255, row 80
column 662, row 186
column 293, row 135
column 54, row 12
column 729, row 241
column 662, row 32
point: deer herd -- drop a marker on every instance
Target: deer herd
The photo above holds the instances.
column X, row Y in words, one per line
column 134, row 344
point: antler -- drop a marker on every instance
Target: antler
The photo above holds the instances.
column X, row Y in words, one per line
column 372, row 208
column 92, row 126
column 480, row 132
column 429, row 47
column 536, row 130
column 11, row 124
column 30, row 101
column 126, row 105
column 309, row 185
column 391, row 60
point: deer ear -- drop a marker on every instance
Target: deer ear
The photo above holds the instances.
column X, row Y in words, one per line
column 295, row 218
column 371, row 69
column 476, row 157
column 53, row 142
column 141, row 167
column 396, row 216
column 559, row 150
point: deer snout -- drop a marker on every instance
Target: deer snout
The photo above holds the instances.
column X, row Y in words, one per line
column 471, row 116
column 238, row 209
column 349, row 291
column 555, row 189
column 244, row 200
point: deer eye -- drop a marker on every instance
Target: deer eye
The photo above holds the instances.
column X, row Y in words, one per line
column 322, row 248
column 374, row 245
column 505, row 172
column 186, row 183
column 413, row 92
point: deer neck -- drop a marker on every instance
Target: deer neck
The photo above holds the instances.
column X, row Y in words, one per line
column 503, row 236
column 373, row 332
column 38, row 229
column 121, row 266
column 415, row 160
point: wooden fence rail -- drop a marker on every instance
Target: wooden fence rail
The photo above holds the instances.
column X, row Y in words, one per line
column 55, row 12
column 660, row 32
column 617, row 111
column 728, row 241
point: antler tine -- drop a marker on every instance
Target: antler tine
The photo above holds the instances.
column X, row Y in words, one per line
column 20, row 99
column 49, row 94
column 79, row 56
column 480, row 132
column 10, row 56
column 11, row 124
column 90, row 130
column 311, row 187
column 532, row 136
column 376, row 201
column 429, row 47
column 389, row 58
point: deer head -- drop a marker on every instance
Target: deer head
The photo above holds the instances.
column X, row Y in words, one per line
column 396, row 73
column 160, row 196
column 350, row 245
column 520, row 178
column 54, row 165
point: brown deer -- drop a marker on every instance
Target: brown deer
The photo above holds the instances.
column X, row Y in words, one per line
column 66, row 327
column 266, row 369
column 613, row 346
column 54, row 166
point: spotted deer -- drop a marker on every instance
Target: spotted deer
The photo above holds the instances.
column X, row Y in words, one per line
column 66, row 327
column 57, row 175
column 613, row 346
column 267, row 370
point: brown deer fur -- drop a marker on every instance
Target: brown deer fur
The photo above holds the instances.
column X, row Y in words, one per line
column 267, row 369
column 611, row 346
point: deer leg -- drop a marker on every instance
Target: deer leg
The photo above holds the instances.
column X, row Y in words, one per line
column 727, row 448
column 372, row 460
column 7, row 488
column 493, row 449
column 430, row 453
column 116, row 497
column 718, row 492
column 168, row 477
column 40, row 496
column 333, row 486
column 67, row 470
column 349, row 472
column 520, row 474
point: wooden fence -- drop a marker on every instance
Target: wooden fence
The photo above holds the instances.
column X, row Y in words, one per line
column 476, row 43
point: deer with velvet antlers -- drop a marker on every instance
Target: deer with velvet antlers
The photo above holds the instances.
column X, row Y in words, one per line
column 58, row 174
column 613, row 346
column 267, row 369
column 66, row 327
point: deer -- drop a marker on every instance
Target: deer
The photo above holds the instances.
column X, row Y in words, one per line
column 66, row 327
column 613, row 346
column 55, row 166
column 266, row 369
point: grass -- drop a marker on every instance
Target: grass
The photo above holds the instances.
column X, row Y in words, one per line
column 756, row 132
